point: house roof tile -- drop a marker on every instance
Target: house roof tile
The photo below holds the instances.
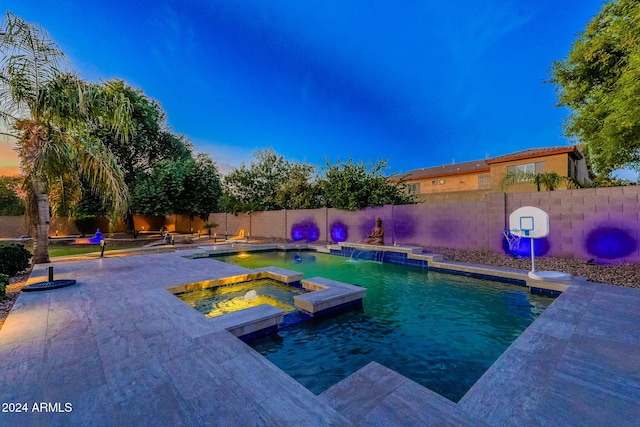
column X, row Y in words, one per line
column 452, row 169
column 484, row 165
column 533, row 153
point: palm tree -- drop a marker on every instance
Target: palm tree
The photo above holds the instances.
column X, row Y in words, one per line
column 549, row 180
column 52, row 112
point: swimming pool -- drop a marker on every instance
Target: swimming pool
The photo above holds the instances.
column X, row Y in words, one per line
column 442, row 331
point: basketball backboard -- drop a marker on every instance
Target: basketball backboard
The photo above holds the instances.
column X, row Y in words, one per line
column 529, row 221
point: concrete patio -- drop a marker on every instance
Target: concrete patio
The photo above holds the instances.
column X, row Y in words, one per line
column 122, row 350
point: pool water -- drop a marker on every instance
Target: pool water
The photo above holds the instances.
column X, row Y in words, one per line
column 442, row 331
column 226, row 299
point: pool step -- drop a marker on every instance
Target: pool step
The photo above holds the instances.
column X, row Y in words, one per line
column 376, row 395
column 262, row 318
column 327, row 295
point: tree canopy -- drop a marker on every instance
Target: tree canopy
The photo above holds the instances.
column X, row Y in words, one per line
column 151, row 142
column 52, row 113
column 151, row 138
column 256, row 187
column 187, row 187
column 353, row 186
column 270, row 183
column 11, row 203
column 599, row 82
column 301, row 189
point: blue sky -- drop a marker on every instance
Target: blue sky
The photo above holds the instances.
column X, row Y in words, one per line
column 421, row 83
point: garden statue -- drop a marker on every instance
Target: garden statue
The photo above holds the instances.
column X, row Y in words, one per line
column 376, row 237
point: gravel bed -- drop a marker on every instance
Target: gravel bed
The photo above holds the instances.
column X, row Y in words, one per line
column 620, row 274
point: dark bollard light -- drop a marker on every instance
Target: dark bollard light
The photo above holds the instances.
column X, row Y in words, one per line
column 50, row 274
column 103, row 243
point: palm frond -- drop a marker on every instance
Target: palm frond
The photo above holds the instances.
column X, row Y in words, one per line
column 516, row 178
column 62, row 101
column 99, row 167
column 30, row 60
column 549, row 180
column 111, row 107
column 64, row 193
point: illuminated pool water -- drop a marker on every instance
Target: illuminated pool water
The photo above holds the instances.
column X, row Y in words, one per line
column 442, row 331
column 226, row 299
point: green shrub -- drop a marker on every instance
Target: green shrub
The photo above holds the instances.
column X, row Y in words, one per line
column 14, row 258
column 85, row 224
column 4, row 281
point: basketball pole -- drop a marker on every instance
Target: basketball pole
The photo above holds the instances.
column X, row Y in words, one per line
column 533, row 256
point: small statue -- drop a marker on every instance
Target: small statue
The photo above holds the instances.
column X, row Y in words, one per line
column 376, row 237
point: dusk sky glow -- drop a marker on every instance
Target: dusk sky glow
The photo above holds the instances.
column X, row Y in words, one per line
column 419, row 83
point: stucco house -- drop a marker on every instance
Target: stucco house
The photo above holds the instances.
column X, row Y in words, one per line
column 473, row 180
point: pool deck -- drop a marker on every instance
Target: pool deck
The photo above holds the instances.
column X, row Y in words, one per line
column 122, row 350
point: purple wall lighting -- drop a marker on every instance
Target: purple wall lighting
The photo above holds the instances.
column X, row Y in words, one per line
column 444, row 230
column 305, row 230
column 540, row 247
column 404, row 226
column 339, row 231
column 610, row 243
column 365, row 228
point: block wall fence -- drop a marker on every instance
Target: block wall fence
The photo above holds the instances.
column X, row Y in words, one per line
column 595, row 223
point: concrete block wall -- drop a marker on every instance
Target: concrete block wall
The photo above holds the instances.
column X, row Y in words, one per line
column 230, row 224
column 594, row 223
column 356, row 225
column 12, row 227
column 267, row 224
column 218, row 218
column 408, row 224
column 305, row 224
column 496, row 222
column 155, row 223
column 16, row 226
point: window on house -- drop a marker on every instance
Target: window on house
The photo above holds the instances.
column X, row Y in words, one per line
column 437, row 181
column 484, row 181
column 413, row 188
column 573, row 168
column 526, row 168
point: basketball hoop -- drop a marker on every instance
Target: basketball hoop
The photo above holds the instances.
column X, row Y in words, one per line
column 528, row 222
column 513, row 239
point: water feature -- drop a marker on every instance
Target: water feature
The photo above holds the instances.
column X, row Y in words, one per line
column 354, row 254
column 442, row 331
column 366, row 255
column 251, row 295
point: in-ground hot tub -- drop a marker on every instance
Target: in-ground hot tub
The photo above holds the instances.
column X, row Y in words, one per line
column 220, row 300
column 255, row 303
